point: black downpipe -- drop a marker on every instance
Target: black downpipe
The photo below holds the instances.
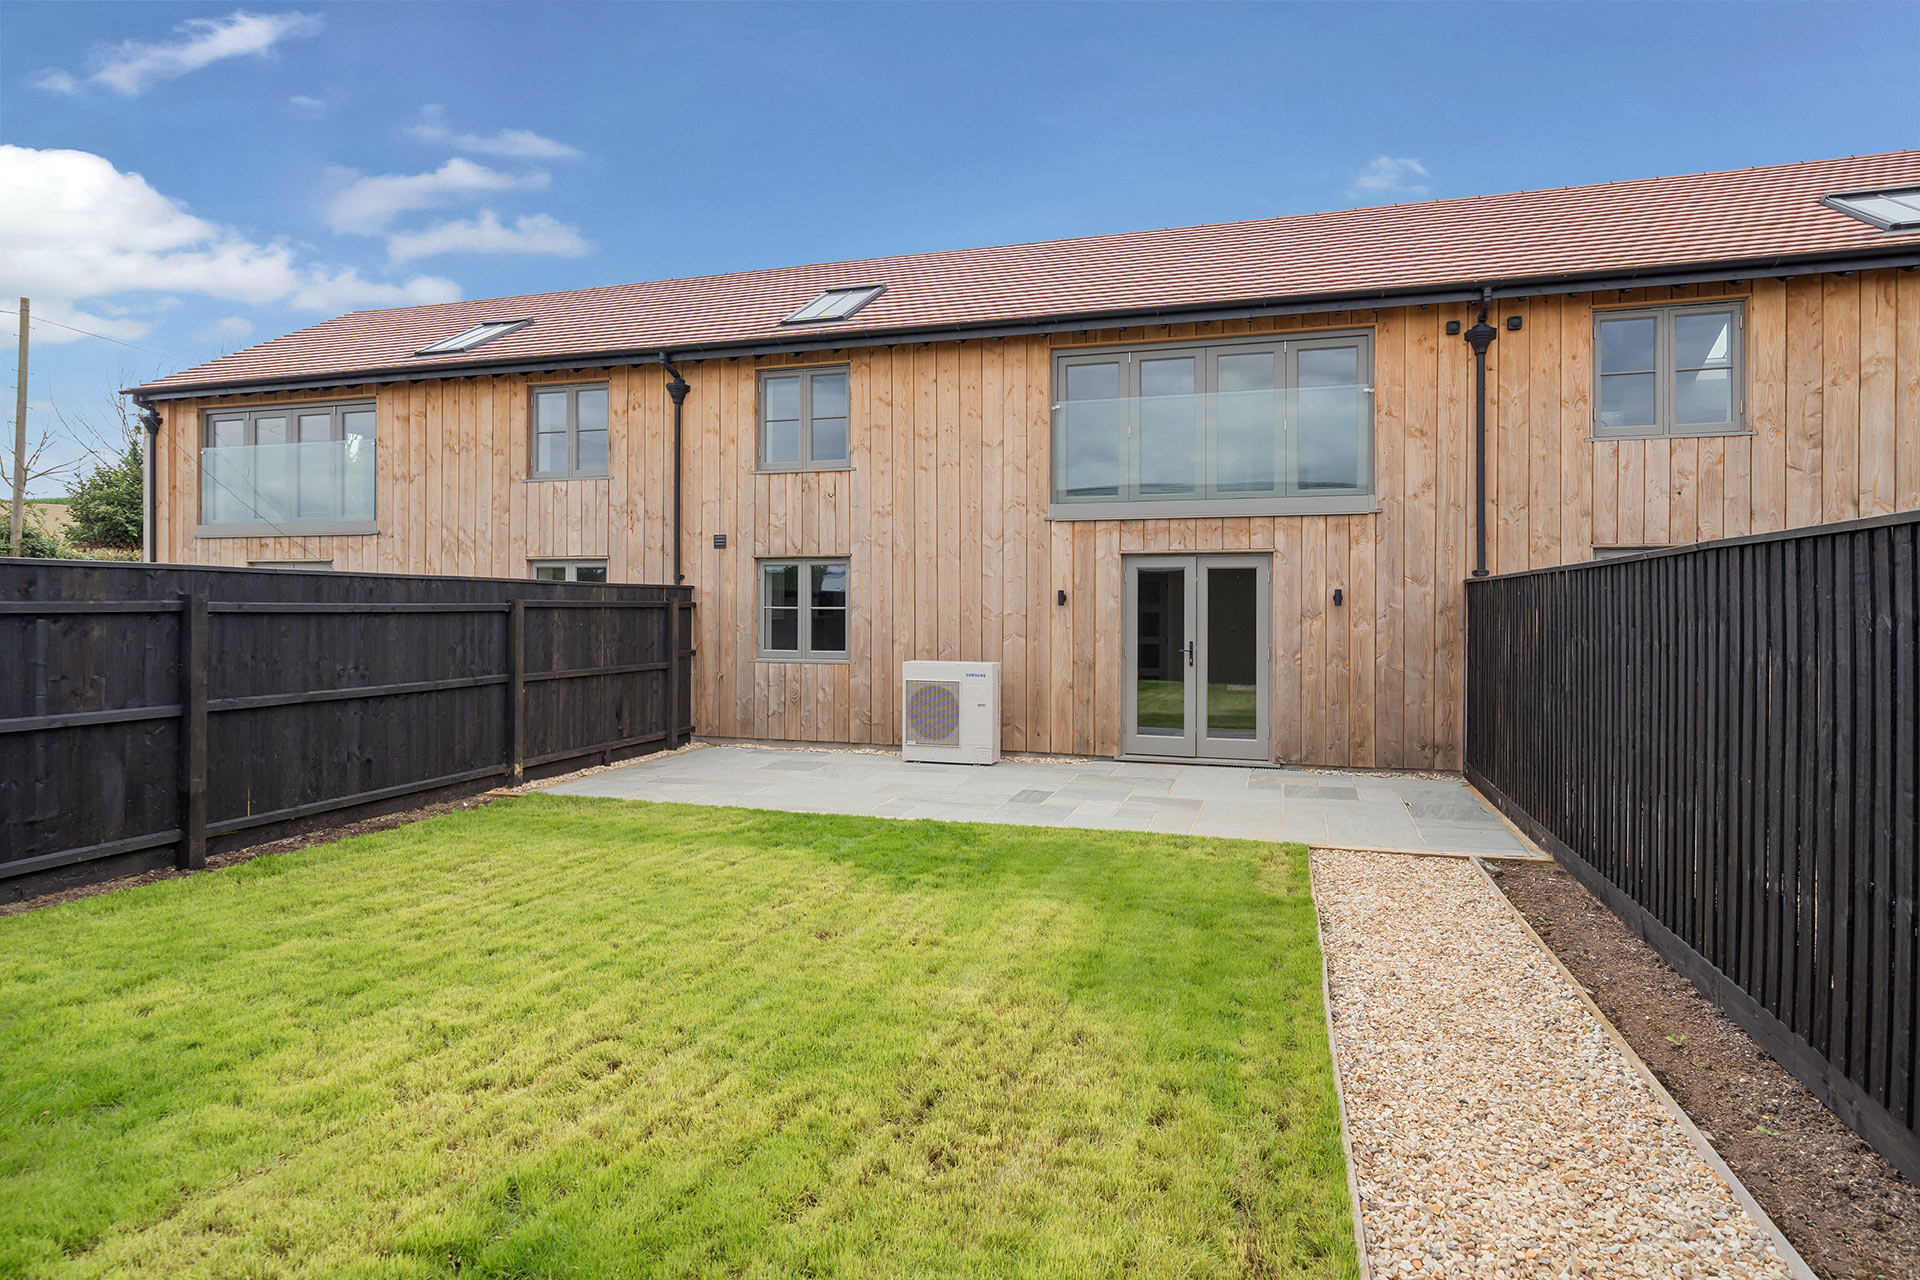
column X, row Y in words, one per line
column 1480, row 337
column 150, row 480
column 677, row 389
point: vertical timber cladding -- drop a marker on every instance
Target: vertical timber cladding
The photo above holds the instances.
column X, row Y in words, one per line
column 943, row 517
column 943, row 511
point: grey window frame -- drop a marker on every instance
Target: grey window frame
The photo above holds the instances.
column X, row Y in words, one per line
column 452, row 343
column 807, row 373
column 1847, row 202
column 291, row 411
column 1285, row 347
column 573, row 389
column 572, row 566
column 1665, row 376
column 806, row 652
column 829, row 315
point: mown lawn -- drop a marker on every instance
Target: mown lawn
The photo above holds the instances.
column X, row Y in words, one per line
column 567, row 1037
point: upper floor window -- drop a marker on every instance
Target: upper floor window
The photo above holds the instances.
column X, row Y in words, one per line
column 1232, row 428
column 288, row 468
column 803, row 419
column 569, row 431
column 1668, row 370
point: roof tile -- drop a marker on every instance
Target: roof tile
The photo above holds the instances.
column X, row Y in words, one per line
column 1644, row 224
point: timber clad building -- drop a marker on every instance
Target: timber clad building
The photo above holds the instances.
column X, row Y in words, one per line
column 1206, row 492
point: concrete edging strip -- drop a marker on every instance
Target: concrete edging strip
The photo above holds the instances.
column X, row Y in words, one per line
column 1339, row 1090
column 1795, row 1263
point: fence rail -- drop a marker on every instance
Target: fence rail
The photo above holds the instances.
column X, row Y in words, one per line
column 1723, row 743
column 147, row 711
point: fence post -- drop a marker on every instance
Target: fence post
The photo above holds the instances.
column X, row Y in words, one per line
column 193, row 731
column 516, row 688
column 673, row 670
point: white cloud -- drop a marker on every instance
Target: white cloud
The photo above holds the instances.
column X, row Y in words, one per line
column 227, row 329
column 132, row 66
column 300, row 102
column 76, row 233
column 344, row 290
column 518, row 144
column 1390, row 176
column 534, row 233
column 367, row 204
column 54, row 80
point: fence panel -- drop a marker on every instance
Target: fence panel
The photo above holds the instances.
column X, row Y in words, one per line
column 1723, row 743
column 149, row 711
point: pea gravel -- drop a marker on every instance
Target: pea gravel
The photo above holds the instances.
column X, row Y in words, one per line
column 1497, row 1129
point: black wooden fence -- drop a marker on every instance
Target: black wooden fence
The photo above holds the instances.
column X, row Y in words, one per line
column 149, row 711
column 1723, row 743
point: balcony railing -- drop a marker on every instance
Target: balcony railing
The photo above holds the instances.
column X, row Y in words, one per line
column 318, row 482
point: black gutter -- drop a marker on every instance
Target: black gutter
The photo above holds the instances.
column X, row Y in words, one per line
column 1906, row 256
column 677, row 389
column 1480, row 337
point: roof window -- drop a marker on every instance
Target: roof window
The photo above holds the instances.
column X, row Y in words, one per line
column 1890, row 208
column 836, row 304
column 479, row 334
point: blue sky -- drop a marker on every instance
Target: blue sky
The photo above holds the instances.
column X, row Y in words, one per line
column 199, row 177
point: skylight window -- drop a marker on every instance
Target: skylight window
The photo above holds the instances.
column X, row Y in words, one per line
column 479, row 334
column 835, row 304
column 1890, row 209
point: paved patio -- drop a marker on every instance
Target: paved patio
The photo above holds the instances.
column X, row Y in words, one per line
column 1396, row 812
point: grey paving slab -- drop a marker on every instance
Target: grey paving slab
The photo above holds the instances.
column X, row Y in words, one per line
column 1416, row 814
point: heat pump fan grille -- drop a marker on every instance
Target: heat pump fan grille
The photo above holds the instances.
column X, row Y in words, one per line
column 933, row 713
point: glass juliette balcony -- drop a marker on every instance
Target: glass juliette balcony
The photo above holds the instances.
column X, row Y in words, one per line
column 1306, row 444
column 318, row 482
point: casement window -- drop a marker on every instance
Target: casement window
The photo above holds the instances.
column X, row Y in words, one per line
column 569, row 570
column 569, row 431
column 804, row 419
column 803, row 610
column 1669, row 371
column 1263, row 427
column 287, row 469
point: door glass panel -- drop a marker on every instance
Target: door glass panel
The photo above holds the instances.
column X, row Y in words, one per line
column 1247, row 426
column 1090, row 432
column 1160, row 653
column 1232, row 637
column 1167, row 427
column 1330, row 417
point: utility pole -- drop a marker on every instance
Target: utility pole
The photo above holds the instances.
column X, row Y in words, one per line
column 18, row 525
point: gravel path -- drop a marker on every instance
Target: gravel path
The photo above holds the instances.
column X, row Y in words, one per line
column 1497, row 1129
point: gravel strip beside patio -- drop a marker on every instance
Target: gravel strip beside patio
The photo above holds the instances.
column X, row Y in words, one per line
column 1497, row 1129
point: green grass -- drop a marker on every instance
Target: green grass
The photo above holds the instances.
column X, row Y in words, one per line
column 563, row 1037
column 1161, row 705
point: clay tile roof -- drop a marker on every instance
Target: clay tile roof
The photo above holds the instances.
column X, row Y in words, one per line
column 1736, row 216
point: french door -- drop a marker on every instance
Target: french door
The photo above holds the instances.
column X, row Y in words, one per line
column 1198, row 674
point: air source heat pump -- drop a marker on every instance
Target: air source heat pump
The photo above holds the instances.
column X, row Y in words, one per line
column 950, row 712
